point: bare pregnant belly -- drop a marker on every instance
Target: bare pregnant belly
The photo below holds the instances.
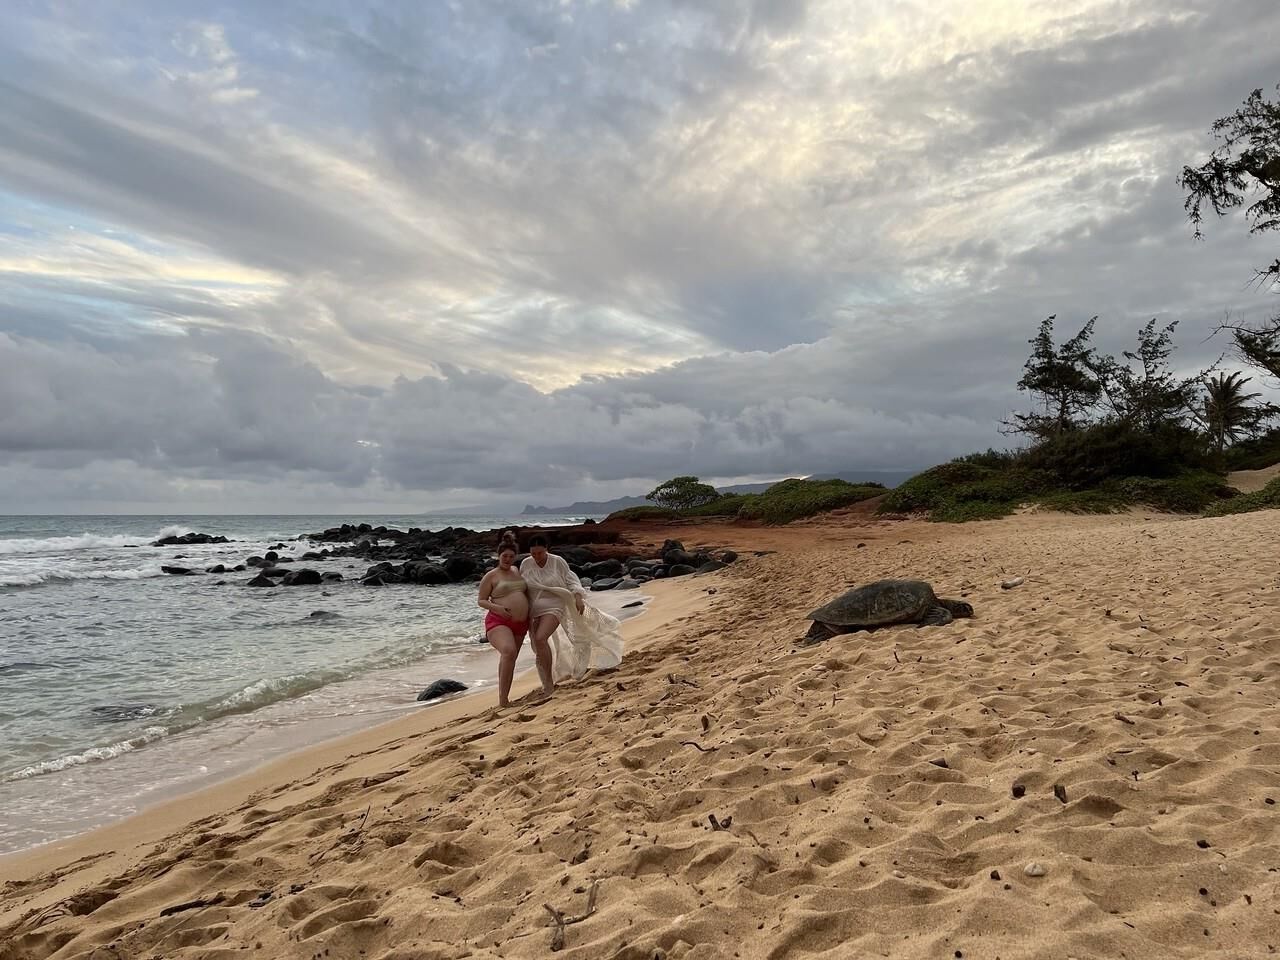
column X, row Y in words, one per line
column 518, row 604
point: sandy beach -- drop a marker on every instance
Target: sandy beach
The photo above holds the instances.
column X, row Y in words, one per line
column 1089, row 768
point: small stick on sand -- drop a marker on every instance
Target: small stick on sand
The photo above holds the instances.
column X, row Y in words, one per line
column 191, row 905
column 698, row 747
column 561, row 921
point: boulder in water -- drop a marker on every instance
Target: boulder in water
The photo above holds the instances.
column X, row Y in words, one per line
column 261, row 580
column 188, row 538
column 680, row 570
column 441, row 688
column 460, row 567
column 301, row 578
column 178, row 571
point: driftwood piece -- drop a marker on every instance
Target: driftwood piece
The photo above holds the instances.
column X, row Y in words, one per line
column 561, row 921
column 191, row 905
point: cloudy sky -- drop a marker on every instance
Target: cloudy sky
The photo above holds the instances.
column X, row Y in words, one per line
column 340, row 256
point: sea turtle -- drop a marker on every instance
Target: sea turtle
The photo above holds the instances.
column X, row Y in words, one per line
column 882, row 604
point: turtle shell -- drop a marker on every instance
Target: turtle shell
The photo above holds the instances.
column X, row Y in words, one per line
column 878, row 604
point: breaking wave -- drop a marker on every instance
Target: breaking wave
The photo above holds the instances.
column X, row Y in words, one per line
column 93, row 754
column 38, row 577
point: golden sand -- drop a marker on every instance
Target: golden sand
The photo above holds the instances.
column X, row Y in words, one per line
column 727, row 793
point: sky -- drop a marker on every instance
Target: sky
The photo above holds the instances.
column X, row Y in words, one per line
column 349, row 257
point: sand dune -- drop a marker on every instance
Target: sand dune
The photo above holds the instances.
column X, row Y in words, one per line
column 1250, row 481
column 727, row 794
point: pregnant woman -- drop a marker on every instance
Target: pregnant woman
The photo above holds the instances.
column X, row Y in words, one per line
column 504, row 594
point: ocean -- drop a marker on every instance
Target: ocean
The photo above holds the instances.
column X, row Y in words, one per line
column 121, row 686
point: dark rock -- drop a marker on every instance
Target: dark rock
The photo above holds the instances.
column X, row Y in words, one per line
column 278, row 546
column 372, row 582
column 1019, row 791
column 460, row 568
column 271, row 557
column 605, row 568
column 423, row 571
column 441, row 688
column 255, row 561
column 633, row 603
column 323, row 615
column 312, row 555
column 578, row 555
column 188, row 538
column 728, row 556
column 216, row 568
column 681, row 557
column 178, row 571
column 628, row 584
column 679, row 570
column 331, row 576
column 711, row 566
column 275, row 572
column 261, row 580
column 301, row 578
column 669, row 545
column 606, row 584
column 238, row 568
column 941, row 762
column 379, row 568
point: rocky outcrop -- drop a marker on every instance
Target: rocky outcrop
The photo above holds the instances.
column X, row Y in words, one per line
column 178, row 571
column 188, row 538
column 301, row 578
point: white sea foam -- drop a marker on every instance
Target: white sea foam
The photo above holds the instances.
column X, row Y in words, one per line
column 86, row 541
column 268, row 690
column 149, row 735
column 50, row 574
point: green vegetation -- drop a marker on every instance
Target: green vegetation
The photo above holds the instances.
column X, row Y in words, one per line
column 644, row 513
column 794, row 499
column 682, row 493
column 1255, row 453
column 783, row 502
column 959, row 491
column 1268, row 498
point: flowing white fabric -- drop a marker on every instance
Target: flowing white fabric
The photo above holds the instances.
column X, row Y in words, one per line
column 583, row 641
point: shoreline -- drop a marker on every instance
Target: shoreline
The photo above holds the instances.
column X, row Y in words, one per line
column 116, row 843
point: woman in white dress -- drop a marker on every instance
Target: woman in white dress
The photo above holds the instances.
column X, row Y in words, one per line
column 569, row 636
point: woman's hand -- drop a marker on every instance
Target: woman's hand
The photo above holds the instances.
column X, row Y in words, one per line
column 580, row 603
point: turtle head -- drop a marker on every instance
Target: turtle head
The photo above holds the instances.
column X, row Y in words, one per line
column 958, row 608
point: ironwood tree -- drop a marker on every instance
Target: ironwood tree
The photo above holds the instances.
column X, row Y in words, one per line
column 1244, row 168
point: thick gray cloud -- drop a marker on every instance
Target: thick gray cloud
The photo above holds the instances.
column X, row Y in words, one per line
column 413, row 253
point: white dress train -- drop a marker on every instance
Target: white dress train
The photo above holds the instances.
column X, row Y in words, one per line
column 583, row 641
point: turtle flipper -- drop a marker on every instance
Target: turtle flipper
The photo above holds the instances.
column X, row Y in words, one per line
column 936, row 617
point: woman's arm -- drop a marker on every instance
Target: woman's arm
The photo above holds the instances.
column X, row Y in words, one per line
column 573, row 583
column 486, row 591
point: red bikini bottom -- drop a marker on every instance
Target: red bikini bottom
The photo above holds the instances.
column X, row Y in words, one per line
column 492, row 620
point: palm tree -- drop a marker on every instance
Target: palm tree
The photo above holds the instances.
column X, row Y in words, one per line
column 1228, row 412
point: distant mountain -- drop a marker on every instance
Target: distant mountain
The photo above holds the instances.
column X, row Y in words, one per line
column 588, row 508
